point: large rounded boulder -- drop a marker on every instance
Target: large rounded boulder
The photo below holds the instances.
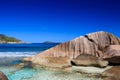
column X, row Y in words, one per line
column 94, row 44
column 112, row 54
column 89, row 60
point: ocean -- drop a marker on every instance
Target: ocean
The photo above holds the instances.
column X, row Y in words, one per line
column 11, row 54
column 29, row 49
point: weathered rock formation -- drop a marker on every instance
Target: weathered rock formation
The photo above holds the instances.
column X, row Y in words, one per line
column 112, row 72
column 51, row 62
column 3, row 76
column 93, row 44
column 113, row 54
column 89, row 60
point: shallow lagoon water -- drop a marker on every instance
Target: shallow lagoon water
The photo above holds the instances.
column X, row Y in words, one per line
column 42, row 74
column 11, row 54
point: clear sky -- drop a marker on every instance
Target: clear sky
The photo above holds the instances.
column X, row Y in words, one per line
column 58, row 20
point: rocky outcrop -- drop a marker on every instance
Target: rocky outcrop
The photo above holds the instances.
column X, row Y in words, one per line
column 113, row 54
column 112, row 72
column 51, row 62
column 89, row 60
column 103, row 39
column 72, row 48
column 93, row 44
column 3, row 76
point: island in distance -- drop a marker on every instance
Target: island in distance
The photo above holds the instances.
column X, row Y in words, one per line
column 50, row 42
column 11, row 40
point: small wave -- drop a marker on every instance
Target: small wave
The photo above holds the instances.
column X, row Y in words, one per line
column 7, row 58
column 13, row 57
column 17, row 54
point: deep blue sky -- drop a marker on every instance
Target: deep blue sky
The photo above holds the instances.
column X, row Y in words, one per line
column 58, row 20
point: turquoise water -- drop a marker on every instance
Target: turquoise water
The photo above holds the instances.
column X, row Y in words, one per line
column 42, row 74
column 11, row 54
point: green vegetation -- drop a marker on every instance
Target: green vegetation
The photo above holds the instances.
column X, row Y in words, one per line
column 5, row 39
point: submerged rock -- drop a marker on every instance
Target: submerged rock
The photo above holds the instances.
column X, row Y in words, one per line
column 19, row 66
column 3, row 76
column 93, row 44
column 89, row 60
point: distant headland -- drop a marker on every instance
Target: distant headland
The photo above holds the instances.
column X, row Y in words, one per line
column 12, row 40
column 9, row 40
